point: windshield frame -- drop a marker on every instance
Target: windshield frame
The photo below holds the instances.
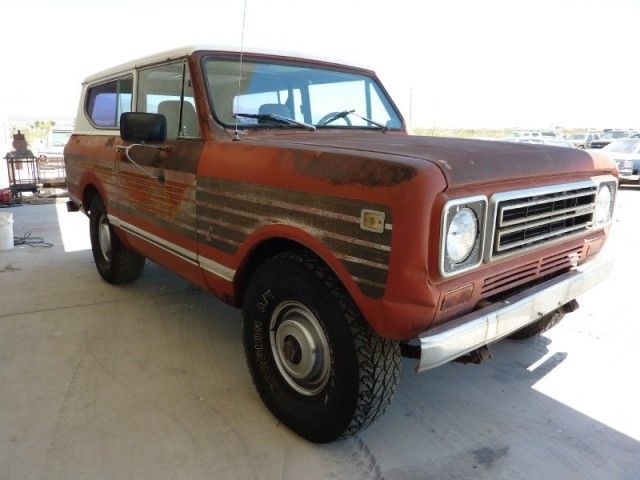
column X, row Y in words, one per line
column 385, row 98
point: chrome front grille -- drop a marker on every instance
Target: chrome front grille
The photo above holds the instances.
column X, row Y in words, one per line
column 529, row 218
column 531, row 271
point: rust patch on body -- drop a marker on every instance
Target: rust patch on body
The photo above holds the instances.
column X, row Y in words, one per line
column 346, row 170
column 229, row 211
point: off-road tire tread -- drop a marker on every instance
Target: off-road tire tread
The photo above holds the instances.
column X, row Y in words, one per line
column 378, row 357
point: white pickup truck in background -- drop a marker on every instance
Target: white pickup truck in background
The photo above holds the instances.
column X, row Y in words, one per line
column 50, row 157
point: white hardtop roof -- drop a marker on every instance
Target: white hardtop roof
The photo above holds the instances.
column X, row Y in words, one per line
column 186, row 51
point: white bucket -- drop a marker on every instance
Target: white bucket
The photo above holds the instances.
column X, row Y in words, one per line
column 6, row 231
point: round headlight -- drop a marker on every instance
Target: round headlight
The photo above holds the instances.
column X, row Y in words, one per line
column 462, row 234
column 603, row 204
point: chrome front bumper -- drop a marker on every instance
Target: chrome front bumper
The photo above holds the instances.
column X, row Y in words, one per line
column 628, row 177
column 474, row 330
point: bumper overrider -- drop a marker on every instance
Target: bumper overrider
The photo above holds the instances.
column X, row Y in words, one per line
column 479, row 328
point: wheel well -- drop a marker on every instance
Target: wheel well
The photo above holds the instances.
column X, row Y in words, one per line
column 265, row 250
column 90, row 191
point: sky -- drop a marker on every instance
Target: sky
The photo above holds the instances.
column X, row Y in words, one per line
column 446, row 63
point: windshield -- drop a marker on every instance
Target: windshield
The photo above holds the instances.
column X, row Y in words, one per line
column 624, row 146
column 577, row 136
column 310, row 95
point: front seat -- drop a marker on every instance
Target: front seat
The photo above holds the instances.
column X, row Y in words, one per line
column 190, row 126
column 171, row 110
column 275, row 108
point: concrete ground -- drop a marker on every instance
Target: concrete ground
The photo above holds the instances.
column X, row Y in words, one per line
column 148, row 381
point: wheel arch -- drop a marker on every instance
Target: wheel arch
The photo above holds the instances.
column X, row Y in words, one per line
column 268, row 246
column 88, row 193
column 90, row 187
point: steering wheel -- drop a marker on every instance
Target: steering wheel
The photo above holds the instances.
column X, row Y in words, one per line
column 329, row 115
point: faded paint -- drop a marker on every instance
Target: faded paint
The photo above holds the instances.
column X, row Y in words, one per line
column 220, row 199
column 463, row 162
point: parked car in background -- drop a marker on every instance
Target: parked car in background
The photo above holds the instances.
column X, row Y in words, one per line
column 54, row 145
column 554, row 140
column 583, row 140
column 626, row 154
column 51, row 171
column 609, row 137
column 522, row 136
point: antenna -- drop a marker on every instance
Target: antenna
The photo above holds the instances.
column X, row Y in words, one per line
column 236, row 134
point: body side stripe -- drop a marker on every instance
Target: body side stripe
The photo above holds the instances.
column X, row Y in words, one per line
column 192, row 257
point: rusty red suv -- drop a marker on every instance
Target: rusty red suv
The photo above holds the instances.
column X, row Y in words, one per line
column 289, row 187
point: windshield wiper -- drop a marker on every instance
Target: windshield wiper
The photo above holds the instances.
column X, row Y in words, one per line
column 275, row 118
column 346, row 113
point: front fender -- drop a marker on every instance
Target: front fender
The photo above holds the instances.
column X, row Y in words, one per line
column 296, row 235
column 305, row 239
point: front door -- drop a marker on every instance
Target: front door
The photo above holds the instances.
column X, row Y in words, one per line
column 156, row 200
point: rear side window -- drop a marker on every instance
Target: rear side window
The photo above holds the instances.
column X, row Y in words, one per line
column 107, row 101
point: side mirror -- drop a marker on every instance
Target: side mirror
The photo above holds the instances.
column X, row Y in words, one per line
column 141, row 127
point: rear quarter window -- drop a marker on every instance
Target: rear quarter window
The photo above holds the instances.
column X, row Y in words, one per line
column 107, row 101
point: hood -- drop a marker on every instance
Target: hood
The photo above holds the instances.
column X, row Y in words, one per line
column 462, row 161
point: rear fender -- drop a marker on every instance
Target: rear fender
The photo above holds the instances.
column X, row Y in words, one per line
column 90, row 180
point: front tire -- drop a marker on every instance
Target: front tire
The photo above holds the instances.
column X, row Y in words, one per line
column 115, row 263
column 315, row 362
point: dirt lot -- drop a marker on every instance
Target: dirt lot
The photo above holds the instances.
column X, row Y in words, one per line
column 148, row 381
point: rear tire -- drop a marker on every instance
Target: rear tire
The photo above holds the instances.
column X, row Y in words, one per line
column 314, row 360
column 115, row 263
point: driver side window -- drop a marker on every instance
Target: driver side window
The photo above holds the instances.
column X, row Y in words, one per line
column 166, row 90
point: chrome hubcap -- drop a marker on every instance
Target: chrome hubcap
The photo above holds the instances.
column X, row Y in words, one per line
column 300, row 347
column 104, row 238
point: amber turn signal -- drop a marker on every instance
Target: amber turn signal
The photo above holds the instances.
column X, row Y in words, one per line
column 456, row 297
